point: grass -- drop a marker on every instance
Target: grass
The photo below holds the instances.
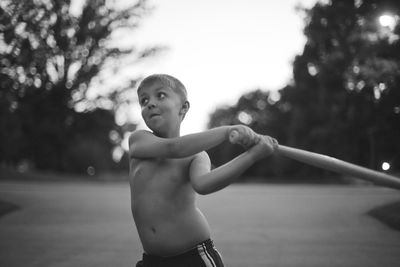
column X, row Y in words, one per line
column 7, row 207
column 89, row 224
column 388, row 214
column 44, row 176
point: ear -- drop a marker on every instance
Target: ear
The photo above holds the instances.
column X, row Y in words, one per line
column 185, row 108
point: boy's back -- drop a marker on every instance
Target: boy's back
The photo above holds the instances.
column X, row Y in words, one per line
column 163, row 206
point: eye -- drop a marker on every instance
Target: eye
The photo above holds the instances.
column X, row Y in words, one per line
column 161, row 95
column 144, row 101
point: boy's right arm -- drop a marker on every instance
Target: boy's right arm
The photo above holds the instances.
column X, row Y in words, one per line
column 205, row 181
column 144, row 144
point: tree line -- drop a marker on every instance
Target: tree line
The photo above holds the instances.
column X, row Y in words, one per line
column 51, row 61
column 344, row 99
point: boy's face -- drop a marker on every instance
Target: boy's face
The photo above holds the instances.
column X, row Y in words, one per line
column 161, row 107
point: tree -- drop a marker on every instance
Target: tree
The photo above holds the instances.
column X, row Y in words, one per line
column 344, row 100
column 349, row 69
column 261, row 111
column 51, row 62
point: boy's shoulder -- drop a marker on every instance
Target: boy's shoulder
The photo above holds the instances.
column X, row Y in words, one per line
column 201, row 157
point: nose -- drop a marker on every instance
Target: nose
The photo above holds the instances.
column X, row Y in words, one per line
column 151, row 104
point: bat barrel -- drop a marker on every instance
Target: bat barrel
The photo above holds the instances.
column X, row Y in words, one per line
column 339, row 166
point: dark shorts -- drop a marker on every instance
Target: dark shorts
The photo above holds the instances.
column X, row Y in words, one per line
column 203, row 255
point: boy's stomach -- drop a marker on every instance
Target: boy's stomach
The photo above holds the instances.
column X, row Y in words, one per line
column 166, row 230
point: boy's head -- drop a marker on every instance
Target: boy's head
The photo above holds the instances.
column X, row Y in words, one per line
column 166, row 80
column 163, row 100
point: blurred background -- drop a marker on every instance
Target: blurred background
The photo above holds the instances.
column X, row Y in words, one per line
column 318, row 75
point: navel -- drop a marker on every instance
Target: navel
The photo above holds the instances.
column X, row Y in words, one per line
column 153, row 229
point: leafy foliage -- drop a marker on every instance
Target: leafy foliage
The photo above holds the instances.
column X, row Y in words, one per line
column 51, row 63
column 345, row 97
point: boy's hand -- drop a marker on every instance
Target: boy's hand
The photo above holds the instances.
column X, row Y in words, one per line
column 264, row 147
column 244, row 136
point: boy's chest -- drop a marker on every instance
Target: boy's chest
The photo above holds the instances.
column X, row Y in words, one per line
column 163, row 170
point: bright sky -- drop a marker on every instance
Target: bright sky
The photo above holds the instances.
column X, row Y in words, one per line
column 221, row 49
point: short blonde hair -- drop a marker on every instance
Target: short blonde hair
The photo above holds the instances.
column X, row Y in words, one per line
column 166, row 80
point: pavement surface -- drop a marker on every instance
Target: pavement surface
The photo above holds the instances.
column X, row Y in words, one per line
column 90, row 224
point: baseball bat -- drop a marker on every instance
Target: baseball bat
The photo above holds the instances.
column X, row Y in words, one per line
column 331, row 164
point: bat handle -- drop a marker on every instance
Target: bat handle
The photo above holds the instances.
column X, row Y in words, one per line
column 234, row 137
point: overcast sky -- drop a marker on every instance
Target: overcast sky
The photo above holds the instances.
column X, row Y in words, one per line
column 221, row 49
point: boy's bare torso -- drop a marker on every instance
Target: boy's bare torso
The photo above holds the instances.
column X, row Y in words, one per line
column 163, row 206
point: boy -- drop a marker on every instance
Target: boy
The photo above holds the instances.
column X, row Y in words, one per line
column 166, row 171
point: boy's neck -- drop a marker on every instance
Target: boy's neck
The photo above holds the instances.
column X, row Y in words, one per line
column 169, row 133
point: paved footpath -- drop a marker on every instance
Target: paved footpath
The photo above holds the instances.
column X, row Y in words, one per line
column 89, row 224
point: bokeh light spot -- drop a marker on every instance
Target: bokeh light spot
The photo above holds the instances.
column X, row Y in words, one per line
column 385, row 166
column 387, row 20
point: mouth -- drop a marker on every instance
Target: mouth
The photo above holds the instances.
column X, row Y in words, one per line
column 154, row 115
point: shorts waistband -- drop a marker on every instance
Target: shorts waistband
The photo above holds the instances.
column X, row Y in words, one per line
column 201, row 247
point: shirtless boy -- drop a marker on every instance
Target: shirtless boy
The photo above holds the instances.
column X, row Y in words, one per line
column 167, row 170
